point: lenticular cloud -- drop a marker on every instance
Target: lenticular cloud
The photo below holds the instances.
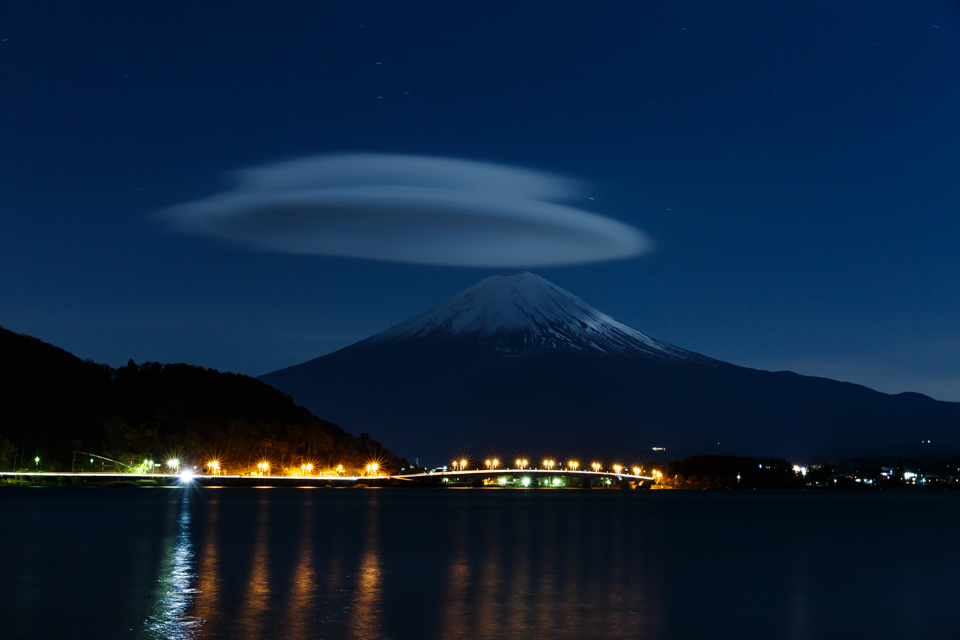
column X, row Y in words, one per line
column 411, row 209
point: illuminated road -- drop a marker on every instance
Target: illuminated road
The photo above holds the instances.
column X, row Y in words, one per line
column 594, row 477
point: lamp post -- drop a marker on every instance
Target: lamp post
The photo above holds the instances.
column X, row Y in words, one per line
column 37, row 461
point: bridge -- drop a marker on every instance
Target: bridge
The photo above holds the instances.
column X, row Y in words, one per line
column 520, row 478
column 528, row 478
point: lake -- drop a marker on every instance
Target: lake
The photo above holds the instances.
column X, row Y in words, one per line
column 476, row 563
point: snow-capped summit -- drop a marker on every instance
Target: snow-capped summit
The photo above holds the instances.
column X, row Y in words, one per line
column 518, row 313
column 578, row 380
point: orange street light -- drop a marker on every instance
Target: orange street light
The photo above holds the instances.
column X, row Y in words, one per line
column 596, row 466
column 616, row 468
column 636, row 471
column 494, row 463
column 573, row 464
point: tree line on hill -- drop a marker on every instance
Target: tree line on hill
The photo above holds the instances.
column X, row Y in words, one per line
column 55, row 405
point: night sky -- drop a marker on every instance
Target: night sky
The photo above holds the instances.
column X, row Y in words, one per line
column 794, row 163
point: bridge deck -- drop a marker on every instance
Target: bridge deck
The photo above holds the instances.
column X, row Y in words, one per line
column 489, row 473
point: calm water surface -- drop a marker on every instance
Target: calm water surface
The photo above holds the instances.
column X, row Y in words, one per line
column 385, row 563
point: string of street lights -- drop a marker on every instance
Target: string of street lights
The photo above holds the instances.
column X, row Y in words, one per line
column 521, row 464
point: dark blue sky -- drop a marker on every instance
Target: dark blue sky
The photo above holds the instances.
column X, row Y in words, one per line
column 796, row 164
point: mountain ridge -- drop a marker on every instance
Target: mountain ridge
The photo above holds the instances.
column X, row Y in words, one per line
column 482, row 372
column 54, row 403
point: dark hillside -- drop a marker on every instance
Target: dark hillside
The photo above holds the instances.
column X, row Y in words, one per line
column 56, row 403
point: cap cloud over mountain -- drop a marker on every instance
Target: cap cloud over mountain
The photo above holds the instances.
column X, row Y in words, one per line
column 515, row 364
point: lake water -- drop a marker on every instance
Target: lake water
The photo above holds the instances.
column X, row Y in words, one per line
column 474, row 563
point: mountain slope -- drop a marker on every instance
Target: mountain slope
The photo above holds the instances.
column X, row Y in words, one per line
column 516, row 365
column 54, row 403
column 517, row 314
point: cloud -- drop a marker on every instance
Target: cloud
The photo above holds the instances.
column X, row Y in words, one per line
column 413, row 209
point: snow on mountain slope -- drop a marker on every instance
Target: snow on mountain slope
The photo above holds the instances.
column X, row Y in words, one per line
column 518, row 313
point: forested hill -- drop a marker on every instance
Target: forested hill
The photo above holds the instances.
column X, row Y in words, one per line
column 53, row 403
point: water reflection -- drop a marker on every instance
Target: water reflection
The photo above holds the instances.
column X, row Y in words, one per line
column 546, row 578
column 175, row 591
column 256, row 599
column 482, row 565
column 501, row 573
column 517, row 605
column 207, row 607
column 452, row 622
column 303, row 586
column 365, row 614
column 543, row 575
column 489, row 622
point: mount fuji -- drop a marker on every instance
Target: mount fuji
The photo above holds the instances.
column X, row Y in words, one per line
column 515, row 365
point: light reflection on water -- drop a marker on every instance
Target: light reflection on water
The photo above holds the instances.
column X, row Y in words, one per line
column 256, row 601
column 303, row 587
column 207, row 610
column 365, row 614
column 173, row 617
column 341, row 564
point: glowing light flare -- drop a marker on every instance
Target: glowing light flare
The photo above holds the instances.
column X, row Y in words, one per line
column 573, row 464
